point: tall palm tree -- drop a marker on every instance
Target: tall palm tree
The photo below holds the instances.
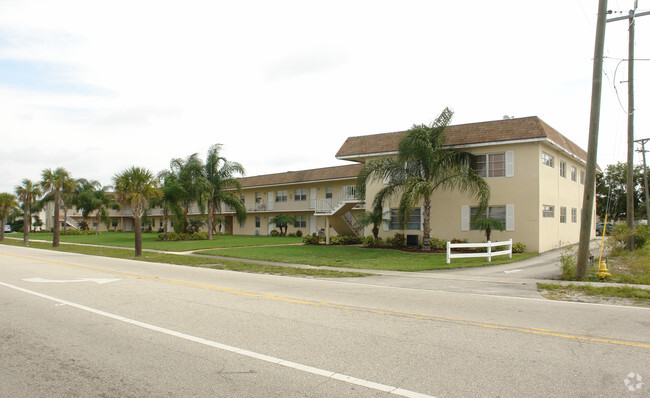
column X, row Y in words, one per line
column 56, row 182
column 95, row 198
column 170, row 198
column 423, row 165
column 221, row 176
column 28, row 193
column 137, row 186
column 8, row 202
column 192, row 184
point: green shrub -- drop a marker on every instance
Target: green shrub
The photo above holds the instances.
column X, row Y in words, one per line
column 311, row 239
column 299, row 233
column 175, row 236
column 274, row 233
column 438, row 244
column 518, row 247
column 398, row 241
column 368, row 241
column 620, row 233
column 346, row 240
column 292, row 235
column 568, row 262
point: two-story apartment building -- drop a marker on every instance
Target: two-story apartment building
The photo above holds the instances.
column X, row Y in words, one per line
column 536, row 177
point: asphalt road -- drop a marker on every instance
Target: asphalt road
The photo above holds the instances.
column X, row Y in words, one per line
column 81, row 326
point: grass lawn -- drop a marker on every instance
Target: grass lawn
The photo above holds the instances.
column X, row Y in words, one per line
column 574, row 292
column 190, row 260
column 126, row 239
column 360, row 258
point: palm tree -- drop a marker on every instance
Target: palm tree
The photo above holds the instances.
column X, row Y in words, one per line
column 8, row 202
column 80, row 197
column 28, row 193
column 169, row 197
column 374, row 218
column 192, row 185
column 282, row 221
column 137, row 186
column 99, row 201
column 56, row 182
column 220, row 174
column 488, row 224
column 423, row 165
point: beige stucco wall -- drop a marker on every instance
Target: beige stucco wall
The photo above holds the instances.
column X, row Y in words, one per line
column 559, row 192
column 532, row 185
column 315, row 191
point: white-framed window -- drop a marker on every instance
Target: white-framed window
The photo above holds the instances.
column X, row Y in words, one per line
column 497, row 213
column 563, row 215
column 582, row 177
column 242, row 197
column 281, row 196
column 257, row 222
column 300, row 221
column 414, row 221
column 491, row 165
column 548, row 160
column 574, row 215
column 562, row 169
column 496, row 164
column 574, row 174
column 548, row 211
column 300, row 195
column 328, row 193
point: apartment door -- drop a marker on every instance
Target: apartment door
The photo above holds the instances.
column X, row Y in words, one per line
column 271, row 200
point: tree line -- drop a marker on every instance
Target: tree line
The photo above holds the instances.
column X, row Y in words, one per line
column 209, row 184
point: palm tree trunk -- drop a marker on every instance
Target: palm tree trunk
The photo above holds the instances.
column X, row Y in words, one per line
column 57, row 222
column 4, row 222
column 209, row 220
column 97, row 226
column 138, row 236
column 26, row 224
column 426, row 225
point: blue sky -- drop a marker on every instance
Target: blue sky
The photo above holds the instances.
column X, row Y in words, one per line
column 97, row 87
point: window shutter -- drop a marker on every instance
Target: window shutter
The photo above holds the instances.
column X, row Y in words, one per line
column 386, row 216
column 510, row 163
column 510, row 217
column 464, row 218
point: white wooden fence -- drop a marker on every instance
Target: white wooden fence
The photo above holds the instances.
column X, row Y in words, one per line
column 488, row 254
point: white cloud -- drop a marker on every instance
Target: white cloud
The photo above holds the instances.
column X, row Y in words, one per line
column 282, row 84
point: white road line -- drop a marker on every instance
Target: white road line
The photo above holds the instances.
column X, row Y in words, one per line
column 251, row 354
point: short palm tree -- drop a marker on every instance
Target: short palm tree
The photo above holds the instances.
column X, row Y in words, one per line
column 488, row 224
column 137, row 186
column 28, row 193
column 8, row 202
column 56, row 182
column 423, row 165
column 221, row 176
column 374, row 218
column 282, row 221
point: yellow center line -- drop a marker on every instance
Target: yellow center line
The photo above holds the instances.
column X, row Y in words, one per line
column 325, row 304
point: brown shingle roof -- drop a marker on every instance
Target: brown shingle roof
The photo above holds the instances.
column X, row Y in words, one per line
column 293, row 177
column 527, row 128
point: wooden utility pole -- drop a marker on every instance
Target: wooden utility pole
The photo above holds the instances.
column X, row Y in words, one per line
column 645, row 178
column 594, row 123
column 630, row 132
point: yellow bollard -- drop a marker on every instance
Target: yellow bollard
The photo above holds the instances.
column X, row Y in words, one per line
column 603, row 272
